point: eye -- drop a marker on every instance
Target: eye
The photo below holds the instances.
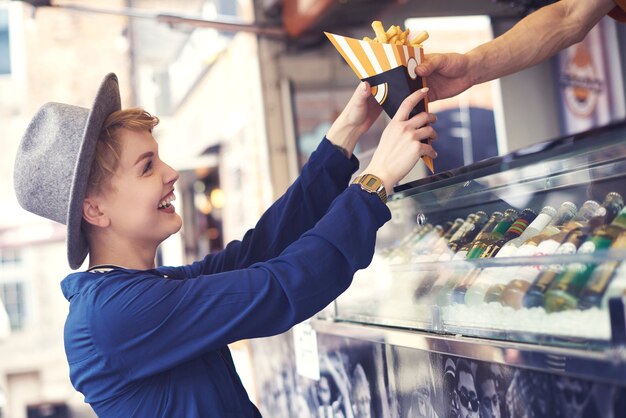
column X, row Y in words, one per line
column 147, row 167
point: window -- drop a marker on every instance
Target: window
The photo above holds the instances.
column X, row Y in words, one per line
column 5, row 53
column 12, row 295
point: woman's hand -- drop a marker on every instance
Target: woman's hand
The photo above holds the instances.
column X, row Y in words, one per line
column 356, row 118
column 400, row 148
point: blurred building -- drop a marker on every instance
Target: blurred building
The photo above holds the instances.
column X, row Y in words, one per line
column 240, row 112
column 203, row 84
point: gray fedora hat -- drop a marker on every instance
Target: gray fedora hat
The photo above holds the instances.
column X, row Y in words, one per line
column 54, row 159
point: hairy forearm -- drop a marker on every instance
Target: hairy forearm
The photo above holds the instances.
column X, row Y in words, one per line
column 536, row 38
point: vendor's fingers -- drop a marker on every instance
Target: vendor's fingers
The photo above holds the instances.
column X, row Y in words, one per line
column 409, row 104
column 430, row 63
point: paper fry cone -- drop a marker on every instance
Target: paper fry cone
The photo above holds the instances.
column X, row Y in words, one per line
column 389, row 69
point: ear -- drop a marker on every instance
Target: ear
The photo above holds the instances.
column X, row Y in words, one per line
column 92, row 213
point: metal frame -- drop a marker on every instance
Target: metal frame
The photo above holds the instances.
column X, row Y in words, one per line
column 608, row 366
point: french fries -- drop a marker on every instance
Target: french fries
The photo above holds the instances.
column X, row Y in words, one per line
column 395, row 35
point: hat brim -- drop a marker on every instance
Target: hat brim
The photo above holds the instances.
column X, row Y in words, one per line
column 106, row 102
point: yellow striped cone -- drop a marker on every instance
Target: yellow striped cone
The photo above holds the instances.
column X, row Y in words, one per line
column 388, row 68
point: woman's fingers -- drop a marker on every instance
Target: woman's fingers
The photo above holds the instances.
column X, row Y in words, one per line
column 428, row 150
column 409, row 104
column 421, row 119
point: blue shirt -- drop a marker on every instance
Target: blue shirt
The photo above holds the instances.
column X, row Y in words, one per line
column 153, row 343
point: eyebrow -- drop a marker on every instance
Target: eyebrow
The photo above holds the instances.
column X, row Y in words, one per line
column 143, row 156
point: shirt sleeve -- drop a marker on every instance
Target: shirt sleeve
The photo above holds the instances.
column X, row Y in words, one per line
column 323, row 178
column 148, row 324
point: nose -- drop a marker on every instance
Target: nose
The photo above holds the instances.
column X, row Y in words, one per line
column 170, row 175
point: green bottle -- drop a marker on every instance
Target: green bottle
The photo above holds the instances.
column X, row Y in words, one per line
column 468, row 231
column 603, row 283
column 496, row 217
column 514, row 231
column 568, row 286
column 498, row 232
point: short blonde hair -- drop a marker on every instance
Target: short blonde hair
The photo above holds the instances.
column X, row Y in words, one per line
column 108, row 145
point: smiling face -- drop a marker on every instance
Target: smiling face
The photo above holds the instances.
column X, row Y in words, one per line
column 127, row 209
column 138, row 200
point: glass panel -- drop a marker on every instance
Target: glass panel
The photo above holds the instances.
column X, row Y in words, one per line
column 550, row 286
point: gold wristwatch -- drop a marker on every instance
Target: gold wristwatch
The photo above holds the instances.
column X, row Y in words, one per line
column 372, row 184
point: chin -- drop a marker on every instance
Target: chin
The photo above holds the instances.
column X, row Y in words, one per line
column 177, row 225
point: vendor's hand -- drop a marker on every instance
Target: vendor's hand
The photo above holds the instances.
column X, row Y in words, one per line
column 400, row 148
column 356, row 118
column 446, row 74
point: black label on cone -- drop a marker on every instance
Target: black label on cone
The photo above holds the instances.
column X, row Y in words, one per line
column 398, row 85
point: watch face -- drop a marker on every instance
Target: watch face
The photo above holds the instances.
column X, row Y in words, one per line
column 371, row 182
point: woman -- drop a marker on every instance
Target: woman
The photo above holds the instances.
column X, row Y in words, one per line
column 152, row 341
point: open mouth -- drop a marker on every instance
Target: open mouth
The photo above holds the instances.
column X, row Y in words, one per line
column 166, row 202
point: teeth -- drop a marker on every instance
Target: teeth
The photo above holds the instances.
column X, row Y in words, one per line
column 167, row 201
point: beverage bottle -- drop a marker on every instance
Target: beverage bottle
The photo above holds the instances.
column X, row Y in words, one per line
column 498, row 232
column 491, row 278
column 612, row 204
column 440, row 289
column 531, row 293
column 399, row 252
column 542, row 220
column 547, row 242
column 414, row 242
column 584, row 214
column 567, row 287
column 567, row 211
column 504, row 274
column 441, row 245
column 427, row 238
column 429, row 278
column 456, row 291
column 489, row 226
column 468, row 231
column 608, row 280
column 513, row 291
column 533, row 290
column 519, row 226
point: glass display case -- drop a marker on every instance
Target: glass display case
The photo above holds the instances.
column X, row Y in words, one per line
column 526, row 248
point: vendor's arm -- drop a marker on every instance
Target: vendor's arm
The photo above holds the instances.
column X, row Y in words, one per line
column 533, row 39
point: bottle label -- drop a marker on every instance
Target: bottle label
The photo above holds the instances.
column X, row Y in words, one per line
column 545, row 279
column 464, row 229
column 489, row 251
column 577, row 274
column 475, row 252
column 460, row 255
column 526, row 250
column 508, row 251
column 547, row 247
column 601, row 278
column 566, row 248
column 518, row 227
column 587, row 247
